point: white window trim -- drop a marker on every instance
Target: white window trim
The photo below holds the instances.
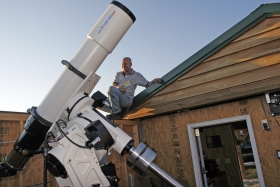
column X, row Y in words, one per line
column 195, row 156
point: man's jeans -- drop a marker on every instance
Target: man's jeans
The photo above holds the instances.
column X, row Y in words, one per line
column 118, row 99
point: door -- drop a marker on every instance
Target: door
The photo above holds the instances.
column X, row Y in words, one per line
column 227, row 162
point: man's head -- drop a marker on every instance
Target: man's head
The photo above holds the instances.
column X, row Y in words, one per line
column 126, row 65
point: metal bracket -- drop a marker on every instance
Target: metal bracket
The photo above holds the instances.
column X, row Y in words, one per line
column 73, row 69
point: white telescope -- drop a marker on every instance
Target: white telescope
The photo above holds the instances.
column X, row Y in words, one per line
column 101, row 40
column 82, row 137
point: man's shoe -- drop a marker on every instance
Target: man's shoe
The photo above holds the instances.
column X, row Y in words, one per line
column 124, row 111
column 114, row 116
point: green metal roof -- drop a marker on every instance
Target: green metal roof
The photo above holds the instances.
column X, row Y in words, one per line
column 262, row 12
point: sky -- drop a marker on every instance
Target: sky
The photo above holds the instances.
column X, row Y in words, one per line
column 36, row 35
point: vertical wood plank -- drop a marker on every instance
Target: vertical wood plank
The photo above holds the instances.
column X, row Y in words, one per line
column 124, row 167
column 20, row 182
column 135, row 135
column 53, row 182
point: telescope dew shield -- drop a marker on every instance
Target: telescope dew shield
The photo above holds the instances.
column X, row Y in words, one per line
column 101, row 40
column 112, row 26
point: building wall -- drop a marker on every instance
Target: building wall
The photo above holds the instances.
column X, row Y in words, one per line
column 168, row 134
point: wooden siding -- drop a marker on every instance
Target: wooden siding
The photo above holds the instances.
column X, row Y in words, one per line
column 250, row 61
column 169, row 136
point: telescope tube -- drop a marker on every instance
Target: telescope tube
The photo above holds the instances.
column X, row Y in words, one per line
column 101, row 40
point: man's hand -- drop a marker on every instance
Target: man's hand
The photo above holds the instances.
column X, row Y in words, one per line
column 122, row 89
column 156, row 80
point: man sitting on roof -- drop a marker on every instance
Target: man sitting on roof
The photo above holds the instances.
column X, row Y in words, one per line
column 121, row 93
